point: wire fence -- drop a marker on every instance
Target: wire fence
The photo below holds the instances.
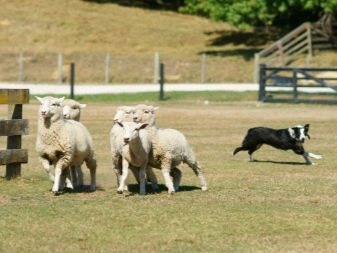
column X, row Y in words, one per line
column 108, row 68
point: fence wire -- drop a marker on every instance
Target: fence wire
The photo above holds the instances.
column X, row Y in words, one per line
column 109, row 68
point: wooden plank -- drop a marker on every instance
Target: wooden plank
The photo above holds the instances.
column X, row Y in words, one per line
column 14, row 96
column 10, row 156
column 13, row 127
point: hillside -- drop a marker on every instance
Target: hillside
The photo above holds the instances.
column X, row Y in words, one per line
column 87, row 29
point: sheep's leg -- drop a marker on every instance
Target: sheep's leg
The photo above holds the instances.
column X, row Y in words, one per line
column 176, row 175
column 152, row 177
column 92, row 165
column 135, row 172
column 125, row 168
column 46, row 166
column 197, row 171
column 117, row 167
column 79, row 175
column 142, row 181
column 74, row 177
column 166, row 170
column 57, row 180
column 68, row 181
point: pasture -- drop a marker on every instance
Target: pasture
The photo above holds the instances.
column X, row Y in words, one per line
column 278, row 204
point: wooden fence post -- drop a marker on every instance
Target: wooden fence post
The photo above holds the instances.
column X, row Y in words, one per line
column 295, row 92
column 161, row 82
column 13, row 128
column 107, row 68
column 262, row 82
column 203, row 68
column 21, row 67
column 60, row 67
column 156, row 68
column 72, row 80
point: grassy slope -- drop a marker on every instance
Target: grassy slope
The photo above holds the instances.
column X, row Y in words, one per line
column 87, row 26
column 82, row 29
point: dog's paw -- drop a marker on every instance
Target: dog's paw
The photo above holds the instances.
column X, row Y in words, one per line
column 318, row 157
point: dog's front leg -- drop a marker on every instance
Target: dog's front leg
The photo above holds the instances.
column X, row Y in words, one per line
column 306, row 157
column 318, row 157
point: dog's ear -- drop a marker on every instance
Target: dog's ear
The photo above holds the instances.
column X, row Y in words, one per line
column 306, row 130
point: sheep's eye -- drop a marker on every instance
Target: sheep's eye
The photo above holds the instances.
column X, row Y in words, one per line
column 74, row 107
column 146, row 112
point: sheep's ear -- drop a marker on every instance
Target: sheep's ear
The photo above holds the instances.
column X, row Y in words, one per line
column 39, row 99
column 142, row 125
column 83, row 106
column 156, row 108
column 61, row 99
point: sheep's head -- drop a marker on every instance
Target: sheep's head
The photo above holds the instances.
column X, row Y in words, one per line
column 49, row 106
column 145, row 114
column 131, row 130
column 72, row 109
column 124, row 114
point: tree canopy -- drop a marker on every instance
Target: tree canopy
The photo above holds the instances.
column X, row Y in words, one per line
column 251, row 13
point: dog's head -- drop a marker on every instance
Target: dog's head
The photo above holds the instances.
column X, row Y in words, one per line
column 299, row 133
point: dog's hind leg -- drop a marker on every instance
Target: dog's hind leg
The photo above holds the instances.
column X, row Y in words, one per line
column 252, row 150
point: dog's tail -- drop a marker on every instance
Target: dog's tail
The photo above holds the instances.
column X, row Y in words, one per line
column 237, row 150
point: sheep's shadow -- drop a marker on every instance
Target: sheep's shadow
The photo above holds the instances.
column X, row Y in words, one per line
column 280, row 162
column 79, row 189
column 134, row 188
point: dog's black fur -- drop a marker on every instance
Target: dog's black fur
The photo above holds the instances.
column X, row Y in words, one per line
column 288, row 138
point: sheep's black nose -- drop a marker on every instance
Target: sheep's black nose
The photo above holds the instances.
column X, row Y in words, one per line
column 126, row 140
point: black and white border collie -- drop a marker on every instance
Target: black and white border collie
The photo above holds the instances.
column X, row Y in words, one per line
column 288, row 138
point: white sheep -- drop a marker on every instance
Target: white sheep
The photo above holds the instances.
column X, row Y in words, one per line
column 135, row 153
column 169, row 149
column 125, row 114
column 62, row 143
column 72, row 111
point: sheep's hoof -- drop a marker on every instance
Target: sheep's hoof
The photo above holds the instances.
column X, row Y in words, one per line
column 120, row 191
column 171, row 192
column 57, row 193
column 204, row 188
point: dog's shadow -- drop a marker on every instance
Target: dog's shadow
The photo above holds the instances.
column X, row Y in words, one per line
column 134, row 188
column 279, row 162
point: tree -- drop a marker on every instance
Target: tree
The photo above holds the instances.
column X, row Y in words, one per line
column 248, row 13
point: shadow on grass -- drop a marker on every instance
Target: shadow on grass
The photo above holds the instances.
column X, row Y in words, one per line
column 152, row 5
column 80, row 189
column 134, row 188
column 280, row 162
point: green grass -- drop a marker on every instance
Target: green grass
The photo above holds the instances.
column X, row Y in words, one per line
column 275, row 205
column 201, row 97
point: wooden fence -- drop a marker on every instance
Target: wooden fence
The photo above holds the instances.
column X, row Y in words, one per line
column 14, row 127
column 297, row 45
column 297, row 85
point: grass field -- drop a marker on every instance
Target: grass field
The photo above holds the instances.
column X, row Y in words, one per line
column 275, row 205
